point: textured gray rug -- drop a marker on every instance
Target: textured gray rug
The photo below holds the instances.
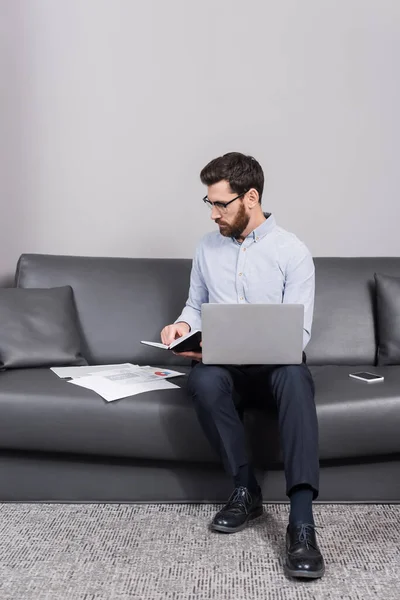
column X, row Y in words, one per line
column 154, row 552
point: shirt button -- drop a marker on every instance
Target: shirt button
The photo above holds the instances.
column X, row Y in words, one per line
column 244, row 249
column 240, row 274
column 241, row 298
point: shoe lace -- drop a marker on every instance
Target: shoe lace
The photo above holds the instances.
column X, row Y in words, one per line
column 305, row 534
column 239, row 499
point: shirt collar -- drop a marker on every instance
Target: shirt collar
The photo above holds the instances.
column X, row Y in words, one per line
column 266, row 227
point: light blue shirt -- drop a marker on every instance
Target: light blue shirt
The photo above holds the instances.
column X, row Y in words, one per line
column 271, row 266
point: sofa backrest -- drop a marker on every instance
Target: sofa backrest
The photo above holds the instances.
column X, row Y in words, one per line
column 121, row 301
column 344, row 324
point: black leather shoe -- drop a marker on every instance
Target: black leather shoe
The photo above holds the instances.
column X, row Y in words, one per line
column 303, row 557
column 241, row 507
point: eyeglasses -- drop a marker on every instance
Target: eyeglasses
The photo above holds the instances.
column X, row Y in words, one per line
column 221, row 206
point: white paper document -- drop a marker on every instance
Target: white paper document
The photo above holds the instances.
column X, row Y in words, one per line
column 72, row 372
column 151, row 373
column 128, row 380
column 156, row 345
column 114, row 390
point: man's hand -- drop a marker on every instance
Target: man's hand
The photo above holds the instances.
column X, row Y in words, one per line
column 171, row 332
column 194, row 355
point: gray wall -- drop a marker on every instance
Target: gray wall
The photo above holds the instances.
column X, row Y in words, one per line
column 109, row 109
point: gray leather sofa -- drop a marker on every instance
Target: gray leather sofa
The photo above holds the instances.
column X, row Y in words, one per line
column 60, row 442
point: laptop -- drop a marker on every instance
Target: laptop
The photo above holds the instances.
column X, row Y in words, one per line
column 252, row 334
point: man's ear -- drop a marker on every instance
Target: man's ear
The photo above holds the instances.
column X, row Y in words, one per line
column 253, row 197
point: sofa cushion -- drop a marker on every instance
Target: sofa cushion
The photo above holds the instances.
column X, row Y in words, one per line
column 38, row 327
column 120, row 301
column 388, row 317
column 343, row 330
column 356, row 419
column 40, row 412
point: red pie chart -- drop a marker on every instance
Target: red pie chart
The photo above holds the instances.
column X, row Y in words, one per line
column 161, row 373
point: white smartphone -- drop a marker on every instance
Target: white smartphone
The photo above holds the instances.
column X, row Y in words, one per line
column 368, row 377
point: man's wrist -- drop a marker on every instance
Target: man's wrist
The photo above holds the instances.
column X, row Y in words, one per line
column 186, row 323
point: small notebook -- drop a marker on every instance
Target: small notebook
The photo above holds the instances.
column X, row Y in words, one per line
column 187, row 343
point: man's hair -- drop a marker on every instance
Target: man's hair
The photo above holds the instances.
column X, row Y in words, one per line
column 241, row 171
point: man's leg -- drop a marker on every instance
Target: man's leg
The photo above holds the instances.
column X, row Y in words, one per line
column 293, row 389
column 213, row 389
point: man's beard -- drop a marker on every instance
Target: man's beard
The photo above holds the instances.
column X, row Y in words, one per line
column 236, row 228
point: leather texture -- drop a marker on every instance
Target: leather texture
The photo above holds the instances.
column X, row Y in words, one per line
column 41, row 412
column 54, row 477
column 242, row 507
column 120, row 301
column 355, row 418
column 44, row 413
column 38, row 328
column 343, row 331
column 153, row 442
column 388, row 319
column 303, row 556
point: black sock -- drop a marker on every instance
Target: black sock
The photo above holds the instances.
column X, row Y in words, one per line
column 246, row 478
column 301, row 499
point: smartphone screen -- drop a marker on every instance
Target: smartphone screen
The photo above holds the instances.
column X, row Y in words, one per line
column 368, row 376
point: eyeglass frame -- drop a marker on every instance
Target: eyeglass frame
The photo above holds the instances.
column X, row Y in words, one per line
column 221, row 205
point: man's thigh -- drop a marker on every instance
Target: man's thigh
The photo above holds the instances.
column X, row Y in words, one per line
column 257, row 390
column 242, row 377
column 259, row 382
column 252, row 383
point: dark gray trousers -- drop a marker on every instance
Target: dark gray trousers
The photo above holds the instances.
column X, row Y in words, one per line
column 217, row 393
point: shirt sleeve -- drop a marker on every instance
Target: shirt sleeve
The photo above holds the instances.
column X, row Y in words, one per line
column 198, row 295
column 300, row 286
